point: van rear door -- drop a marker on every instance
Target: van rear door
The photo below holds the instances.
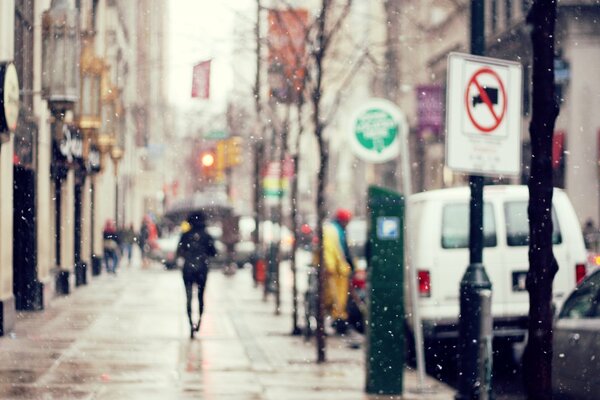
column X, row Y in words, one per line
column 453, row 256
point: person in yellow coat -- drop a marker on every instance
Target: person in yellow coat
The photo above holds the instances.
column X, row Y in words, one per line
column 338, row 268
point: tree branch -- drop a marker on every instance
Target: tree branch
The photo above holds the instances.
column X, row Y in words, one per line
column 345, row 83
column 336, row 26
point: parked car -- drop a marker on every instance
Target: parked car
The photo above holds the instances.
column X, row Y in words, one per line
column 576, row 364
column 221, row 259
column 272, row 232
column 438, row 240
column 244, row 253
column 165, row 250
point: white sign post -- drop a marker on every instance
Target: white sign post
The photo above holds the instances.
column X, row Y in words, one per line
column 379, row 132
column 483, row 117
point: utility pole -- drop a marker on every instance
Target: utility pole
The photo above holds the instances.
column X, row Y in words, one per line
column 257, row 145
column 392, row 72
column 475, row 321
column 391, row 76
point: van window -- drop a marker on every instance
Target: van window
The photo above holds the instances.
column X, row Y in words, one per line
column 455, row 226
column 517, row 224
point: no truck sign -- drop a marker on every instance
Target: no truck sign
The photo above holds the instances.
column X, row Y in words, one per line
column 483, row 115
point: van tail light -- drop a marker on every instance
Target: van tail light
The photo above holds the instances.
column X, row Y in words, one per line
column 424, row 279
column 580, row 272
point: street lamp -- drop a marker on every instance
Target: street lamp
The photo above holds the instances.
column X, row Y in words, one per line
column 60, row 53
column 116, row 154
column 60, row 88
column 90, row 70
column 104, row 144
column 88, row 112
column 106, row 137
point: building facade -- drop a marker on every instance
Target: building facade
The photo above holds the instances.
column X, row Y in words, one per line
column 438, row 27
column 61, row 168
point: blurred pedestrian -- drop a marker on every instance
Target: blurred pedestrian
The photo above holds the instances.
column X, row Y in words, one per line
column 338, row 268
column 591, row 235
column 195, row 248
column 111, row 246
column 127, row 239
column 143, row 242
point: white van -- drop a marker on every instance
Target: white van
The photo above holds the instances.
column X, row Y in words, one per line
column 437, row 234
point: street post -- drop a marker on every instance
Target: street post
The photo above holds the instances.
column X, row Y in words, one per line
column 378, row 133
column 483, row 121
column 473, row 318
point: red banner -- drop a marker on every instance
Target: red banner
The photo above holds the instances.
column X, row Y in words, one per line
column 287, row 53
column 201, row 80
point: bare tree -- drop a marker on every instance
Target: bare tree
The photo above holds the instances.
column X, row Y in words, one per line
column 318, row 35
column 537, row 361
column 325, row 33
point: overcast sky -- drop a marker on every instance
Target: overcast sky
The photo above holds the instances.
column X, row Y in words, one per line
column 200, row 30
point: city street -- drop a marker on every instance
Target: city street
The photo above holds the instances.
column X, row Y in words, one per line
column 433, row 167
column 126, row 337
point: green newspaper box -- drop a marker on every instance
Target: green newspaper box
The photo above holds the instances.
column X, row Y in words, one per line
column 385, row 279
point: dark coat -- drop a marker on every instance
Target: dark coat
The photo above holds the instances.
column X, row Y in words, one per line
column 196, row 246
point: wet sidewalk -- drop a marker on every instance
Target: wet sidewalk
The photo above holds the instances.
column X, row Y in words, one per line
column 127, row 337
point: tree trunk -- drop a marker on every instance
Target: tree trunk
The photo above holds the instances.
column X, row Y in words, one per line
column 321, row 176
column 283, row 149
column 537, row 361
column 294, row 201
column 294, row 268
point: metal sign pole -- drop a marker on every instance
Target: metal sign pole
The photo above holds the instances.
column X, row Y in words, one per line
column 475, row 309
column 416, row 315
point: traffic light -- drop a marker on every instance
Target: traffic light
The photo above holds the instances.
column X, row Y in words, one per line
column 221, row 155
column 207, row 163
column 234, row 151
column 208, row 159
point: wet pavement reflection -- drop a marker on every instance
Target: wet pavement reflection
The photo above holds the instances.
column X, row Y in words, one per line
column 127, row 337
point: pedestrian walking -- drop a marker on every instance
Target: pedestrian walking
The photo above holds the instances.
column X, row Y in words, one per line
column 143, row 242
column 195, row 248
column 338, row 269
column 127, row 239
column 111, row 246
column 591, row 236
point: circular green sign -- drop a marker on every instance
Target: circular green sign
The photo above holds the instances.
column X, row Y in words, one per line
column 376, row 129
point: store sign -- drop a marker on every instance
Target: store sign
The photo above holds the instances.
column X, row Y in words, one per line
column 71, row 144
column 93, row 160
column 274, row 186
column 430, row 109
column 25, row 141
column 216, row 135
column 9, row 97
column 376, row 130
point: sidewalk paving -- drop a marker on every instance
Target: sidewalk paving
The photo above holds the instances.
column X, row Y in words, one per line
column 127, row 337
